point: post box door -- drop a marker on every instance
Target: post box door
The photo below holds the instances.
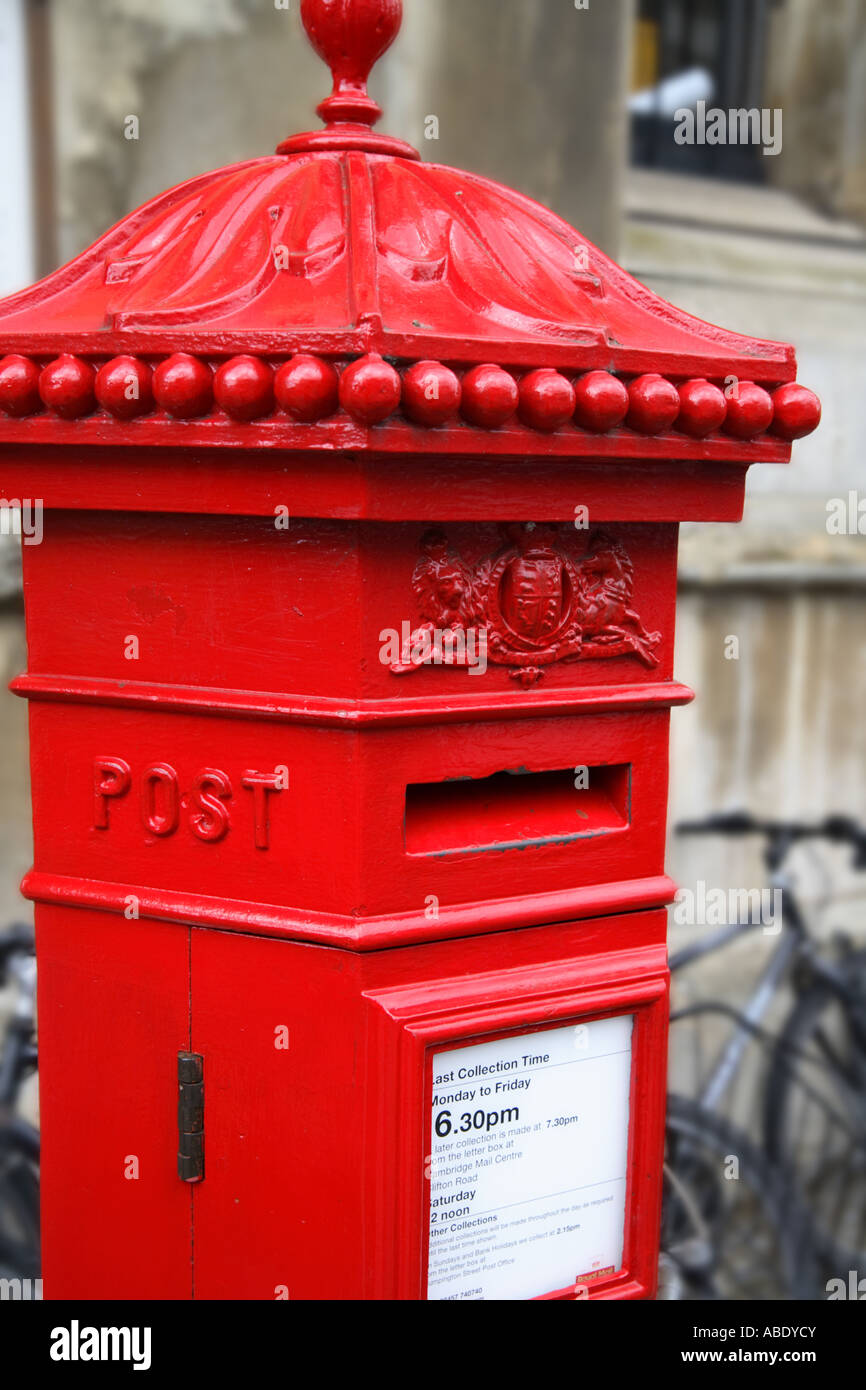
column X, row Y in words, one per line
column 113, row 1015
column 274, row 1034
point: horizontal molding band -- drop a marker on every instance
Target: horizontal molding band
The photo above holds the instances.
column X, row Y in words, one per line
column 349, row 932
column 325, row 710
column 404, row 439
column 350, row 485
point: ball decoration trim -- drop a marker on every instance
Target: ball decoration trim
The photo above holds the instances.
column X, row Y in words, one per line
column 703, row 408
column 19, row 386
column 183, row 386
column 796, row 412
column 547, row 400
column 124, row 387
column 750, row 410
column 67, row 385
column 490, row 396
column 431, row 394
column 602, row 402
column 370, row 390
column 309, row 389
column 654, row 404
column 244, row 388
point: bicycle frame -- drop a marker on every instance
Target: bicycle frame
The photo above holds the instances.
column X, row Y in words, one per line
column 794, row 942
column 747, row 1019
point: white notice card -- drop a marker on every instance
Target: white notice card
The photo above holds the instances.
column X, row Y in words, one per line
column 528, row 1164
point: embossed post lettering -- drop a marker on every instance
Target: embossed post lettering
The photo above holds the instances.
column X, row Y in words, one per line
column 111, row 778
column 261, row 784
column 211, row 790
column 207, row 807
column 164, row 821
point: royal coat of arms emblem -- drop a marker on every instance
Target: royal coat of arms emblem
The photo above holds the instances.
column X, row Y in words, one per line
column 526, row 607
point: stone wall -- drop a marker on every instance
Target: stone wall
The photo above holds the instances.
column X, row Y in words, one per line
column 816, row 72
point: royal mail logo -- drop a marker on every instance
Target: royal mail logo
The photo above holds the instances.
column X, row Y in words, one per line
column 530, row 605
column 204, row 805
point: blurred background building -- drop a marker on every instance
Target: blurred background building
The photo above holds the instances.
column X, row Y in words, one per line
column 105, row 103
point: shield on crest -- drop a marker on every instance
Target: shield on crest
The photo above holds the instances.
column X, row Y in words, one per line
column 533, row 595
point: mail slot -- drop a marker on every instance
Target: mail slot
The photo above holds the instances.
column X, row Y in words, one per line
column 516, row 810
column 350, row 672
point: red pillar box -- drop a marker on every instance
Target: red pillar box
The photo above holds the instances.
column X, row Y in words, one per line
column 350, row 670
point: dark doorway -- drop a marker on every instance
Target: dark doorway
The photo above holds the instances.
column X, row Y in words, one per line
column 713, row 50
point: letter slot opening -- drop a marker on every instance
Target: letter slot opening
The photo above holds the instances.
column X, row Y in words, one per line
column 516, row 810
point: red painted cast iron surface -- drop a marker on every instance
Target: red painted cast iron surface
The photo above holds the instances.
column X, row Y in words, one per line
column 350, row 666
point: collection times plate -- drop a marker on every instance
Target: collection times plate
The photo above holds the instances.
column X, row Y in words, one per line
column 528, row 1162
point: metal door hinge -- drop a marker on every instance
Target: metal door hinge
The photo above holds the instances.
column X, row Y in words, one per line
column 190, row 1116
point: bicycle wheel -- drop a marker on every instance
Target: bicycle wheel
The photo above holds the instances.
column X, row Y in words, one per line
column 731, row 1226
column 19, row 1202
column 815, row 1120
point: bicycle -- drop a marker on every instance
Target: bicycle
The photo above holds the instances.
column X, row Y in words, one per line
column 726, row 1239
column 19, row 1140
column 813, row 1187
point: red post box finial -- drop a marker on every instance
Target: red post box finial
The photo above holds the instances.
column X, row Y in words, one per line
column 351, row 35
